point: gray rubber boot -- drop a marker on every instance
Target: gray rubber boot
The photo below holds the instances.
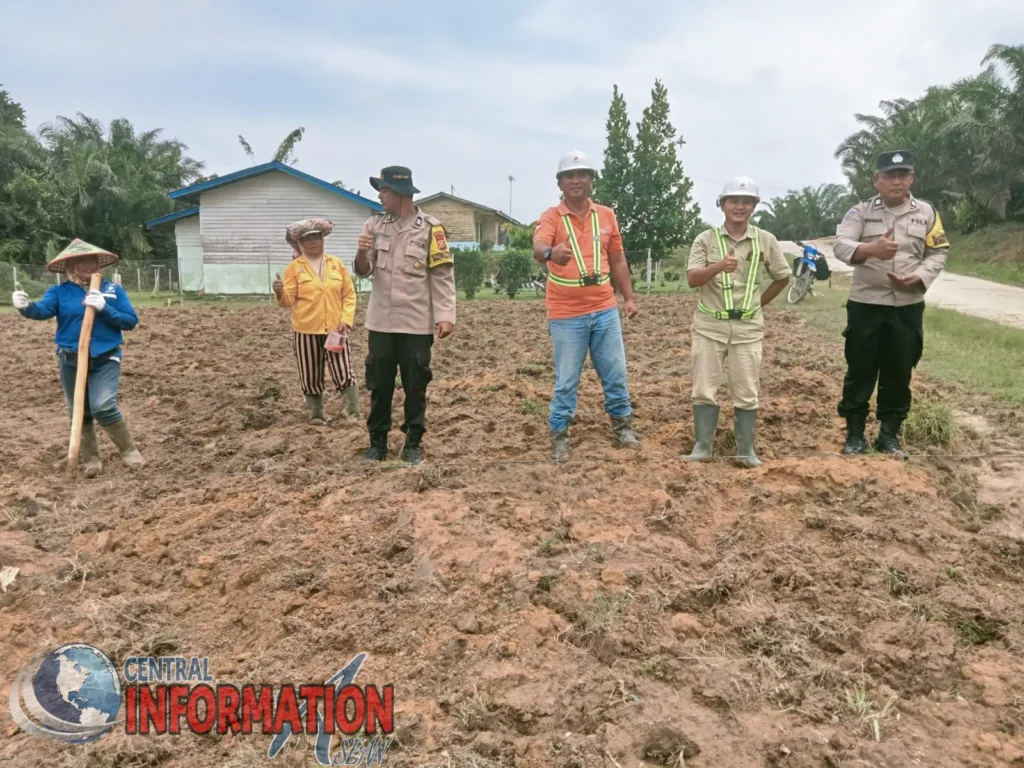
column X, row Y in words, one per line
column 624, row 435
column 89, row 455
column 744, row 430
column 705, row 423
column 130, row 455
column 351, row 395
column 559, row 446
column 315, row 404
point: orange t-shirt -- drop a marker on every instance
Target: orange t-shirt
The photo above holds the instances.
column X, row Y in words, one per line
column 565, row 301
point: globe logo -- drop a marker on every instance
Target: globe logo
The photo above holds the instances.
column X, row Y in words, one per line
column 72, row 694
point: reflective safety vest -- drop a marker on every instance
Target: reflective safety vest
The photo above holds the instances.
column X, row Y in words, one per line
column 745, row 312
column 592, row 279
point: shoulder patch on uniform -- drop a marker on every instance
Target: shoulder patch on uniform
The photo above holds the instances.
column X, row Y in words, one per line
column 439, row 253
column 850, row 214
column 936, row 237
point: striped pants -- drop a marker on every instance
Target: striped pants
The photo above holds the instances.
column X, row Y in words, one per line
column 310, row 355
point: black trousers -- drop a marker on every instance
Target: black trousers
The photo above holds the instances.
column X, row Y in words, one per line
column 409, row 354
column 883, row 346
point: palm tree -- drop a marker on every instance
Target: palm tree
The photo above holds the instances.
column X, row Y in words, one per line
column 285, row 150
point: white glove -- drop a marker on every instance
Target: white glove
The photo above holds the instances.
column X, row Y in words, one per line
column 95, row 299
column 20, row 299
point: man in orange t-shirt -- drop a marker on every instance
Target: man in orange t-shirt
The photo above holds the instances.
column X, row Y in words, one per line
column 580, row 244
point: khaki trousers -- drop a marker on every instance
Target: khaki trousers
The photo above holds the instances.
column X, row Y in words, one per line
column 712, row 359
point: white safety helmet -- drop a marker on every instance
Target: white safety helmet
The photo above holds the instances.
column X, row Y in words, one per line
column 574, row 161
column 740, row 186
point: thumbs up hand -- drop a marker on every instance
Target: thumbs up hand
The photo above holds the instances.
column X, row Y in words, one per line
column 885, row 247
column 278, row 284
column 730, row 262
column 561, row 253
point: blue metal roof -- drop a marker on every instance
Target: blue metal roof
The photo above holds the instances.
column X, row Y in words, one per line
column 195, row 190
column 172, row 217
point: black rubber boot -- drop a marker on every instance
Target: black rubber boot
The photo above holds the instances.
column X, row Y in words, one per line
column 856, row 445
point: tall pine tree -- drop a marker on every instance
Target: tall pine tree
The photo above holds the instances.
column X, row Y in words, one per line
column 665, row 216
column 614, row 187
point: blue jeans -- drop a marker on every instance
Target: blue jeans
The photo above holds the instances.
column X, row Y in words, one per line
column 100, row 388
column 601, row 334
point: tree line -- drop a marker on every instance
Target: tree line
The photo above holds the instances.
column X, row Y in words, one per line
column 77, row 178
column 967, row 137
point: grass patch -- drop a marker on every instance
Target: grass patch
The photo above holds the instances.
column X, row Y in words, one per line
column 896, row 581
column 531, row 408
column 978, row 354
column 867, row 711
column 932, row 424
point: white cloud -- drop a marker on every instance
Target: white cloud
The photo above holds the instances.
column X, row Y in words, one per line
column 766, row 89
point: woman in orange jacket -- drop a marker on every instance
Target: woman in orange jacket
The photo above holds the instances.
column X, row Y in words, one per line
column 319, row 291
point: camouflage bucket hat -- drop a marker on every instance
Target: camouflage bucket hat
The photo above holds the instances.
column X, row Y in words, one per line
column 77, row 249
column 300, row 229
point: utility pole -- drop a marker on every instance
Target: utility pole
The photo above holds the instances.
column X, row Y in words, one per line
column 510, row 180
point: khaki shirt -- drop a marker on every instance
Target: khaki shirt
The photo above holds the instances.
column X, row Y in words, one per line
column 413, row 274
column 704, row 253
column 922, row 249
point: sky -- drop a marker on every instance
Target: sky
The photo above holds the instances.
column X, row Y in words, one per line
column 467, row 93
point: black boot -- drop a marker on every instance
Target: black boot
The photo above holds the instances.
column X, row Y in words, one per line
column 378, row 450
column 411, row 453
column 888, row 441
column 855, row 442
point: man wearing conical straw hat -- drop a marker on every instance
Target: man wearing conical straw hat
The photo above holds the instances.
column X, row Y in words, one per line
column 67, row 301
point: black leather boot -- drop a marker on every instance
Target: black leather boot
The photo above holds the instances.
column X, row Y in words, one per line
column 855, row 442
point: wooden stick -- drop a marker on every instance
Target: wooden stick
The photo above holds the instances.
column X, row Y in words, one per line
column 81, row 377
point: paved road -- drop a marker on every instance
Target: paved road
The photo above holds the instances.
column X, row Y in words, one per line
column 981, row 298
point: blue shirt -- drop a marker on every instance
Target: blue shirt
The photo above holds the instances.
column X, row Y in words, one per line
column 65, row 302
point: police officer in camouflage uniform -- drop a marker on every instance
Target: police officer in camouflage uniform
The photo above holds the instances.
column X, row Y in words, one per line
column 897, row 247
column 413, row 297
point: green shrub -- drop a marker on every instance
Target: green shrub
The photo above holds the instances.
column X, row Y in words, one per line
column 931, row 424
column 969, row 215
column 515, row 268
column 470, row 270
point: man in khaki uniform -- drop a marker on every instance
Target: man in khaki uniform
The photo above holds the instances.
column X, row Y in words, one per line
column 413, row 296
column 728, row 326
column 897, row 246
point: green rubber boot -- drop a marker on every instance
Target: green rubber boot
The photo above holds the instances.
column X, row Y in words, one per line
column 122, row 438
column 705, row 422
column 560, row 445
column 315, row 404
column 744, row 430
column 89, row 454
column 351, row 395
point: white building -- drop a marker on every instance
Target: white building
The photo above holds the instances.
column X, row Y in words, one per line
column 232, row 239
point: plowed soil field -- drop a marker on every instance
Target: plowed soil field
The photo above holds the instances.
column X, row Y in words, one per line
column 625, row 609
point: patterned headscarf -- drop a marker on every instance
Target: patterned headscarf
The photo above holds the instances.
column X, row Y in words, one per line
column 300, row 229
